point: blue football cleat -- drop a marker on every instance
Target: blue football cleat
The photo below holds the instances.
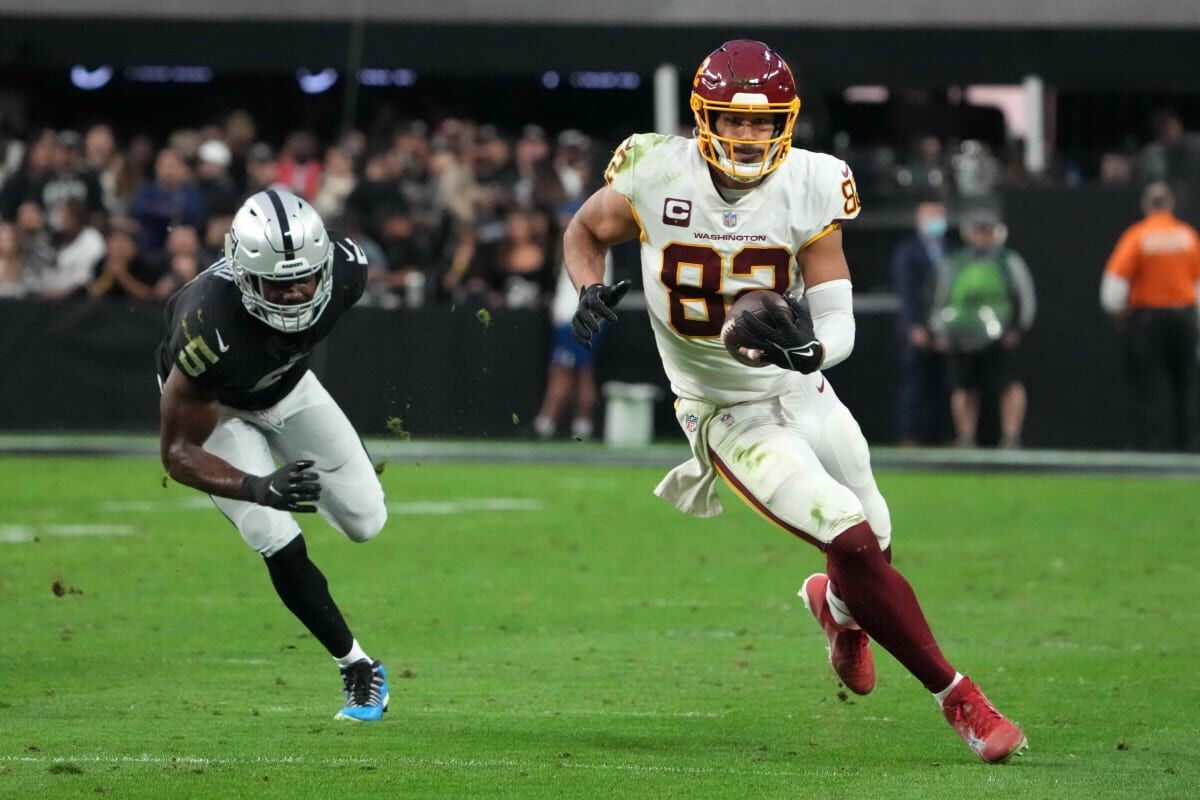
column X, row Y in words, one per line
column 366, row 691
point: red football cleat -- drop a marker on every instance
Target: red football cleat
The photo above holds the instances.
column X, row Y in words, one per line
column 849, row 648
column 985, row 730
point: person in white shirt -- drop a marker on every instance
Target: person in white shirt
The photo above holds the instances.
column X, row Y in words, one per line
column 81, row 247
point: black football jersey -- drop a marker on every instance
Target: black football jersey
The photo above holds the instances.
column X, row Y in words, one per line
column 247, row 364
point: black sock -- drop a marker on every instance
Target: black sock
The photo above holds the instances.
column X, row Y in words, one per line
column 305, row 592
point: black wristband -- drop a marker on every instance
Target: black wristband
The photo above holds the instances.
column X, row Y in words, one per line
column 251, row 485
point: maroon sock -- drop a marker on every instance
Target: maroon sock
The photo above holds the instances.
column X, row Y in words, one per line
column 884, row 605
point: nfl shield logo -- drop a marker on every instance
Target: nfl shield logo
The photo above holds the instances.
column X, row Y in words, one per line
column 730, row 219
column 727, row 420
column 691, row 422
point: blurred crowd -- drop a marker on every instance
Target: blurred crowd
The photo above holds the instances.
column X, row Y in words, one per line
column 458, row 211
column 966, row 171
column 452, row 211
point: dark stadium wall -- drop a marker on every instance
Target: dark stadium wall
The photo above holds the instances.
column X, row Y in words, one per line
column 87, row 366
column 1144, row 59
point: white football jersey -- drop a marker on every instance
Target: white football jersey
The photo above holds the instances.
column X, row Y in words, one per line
column 699, row 251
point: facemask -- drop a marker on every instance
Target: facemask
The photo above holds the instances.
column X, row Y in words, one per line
column 934, row 227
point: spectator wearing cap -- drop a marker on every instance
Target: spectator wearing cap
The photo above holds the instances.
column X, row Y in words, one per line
column 573, row 164
column 983, row 305
column 1150, row 288
column 213, row 159
column 170, row 199
column 68, row 179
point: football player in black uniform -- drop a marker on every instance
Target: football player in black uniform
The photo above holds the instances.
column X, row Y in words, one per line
column 238, row 397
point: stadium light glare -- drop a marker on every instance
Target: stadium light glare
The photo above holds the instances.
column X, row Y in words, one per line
column 161, row 73
column 866, row 94
column 605, row 80
column 387, row 77
column 91, row 79
column 316, row 82
column 550, row 79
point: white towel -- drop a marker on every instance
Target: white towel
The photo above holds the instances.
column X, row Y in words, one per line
column 690, row 487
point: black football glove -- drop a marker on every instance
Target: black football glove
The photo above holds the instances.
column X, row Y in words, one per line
column 289, row 488
column 596, row 303
column 784, row 342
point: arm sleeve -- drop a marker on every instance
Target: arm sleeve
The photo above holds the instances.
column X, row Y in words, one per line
column 832, row 307
column 1114, row 293
column 1022, row 288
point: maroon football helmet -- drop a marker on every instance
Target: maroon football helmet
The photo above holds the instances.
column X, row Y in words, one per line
column 746, row 78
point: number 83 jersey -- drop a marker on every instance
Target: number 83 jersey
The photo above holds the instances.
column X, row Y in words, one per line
column 700, row 251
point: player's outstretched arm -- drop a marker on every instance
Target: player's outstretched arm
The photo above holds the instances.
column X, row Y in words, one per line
column 189, row 416
column 604, row 220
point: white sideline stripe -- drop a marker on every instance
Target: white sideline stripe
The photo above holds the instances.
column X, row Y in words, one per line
column 89, row 530
column 15, row 534
column 20, row 534
column 472, row 763
column 466, row 505
column 196, row 503
column 574, row 712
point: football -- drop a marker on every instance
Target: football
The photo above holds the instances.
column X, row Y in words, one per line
column 731, row 332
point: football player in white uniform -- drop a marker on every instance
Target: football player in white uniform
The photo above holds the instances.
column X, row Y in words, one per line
column 731, row 210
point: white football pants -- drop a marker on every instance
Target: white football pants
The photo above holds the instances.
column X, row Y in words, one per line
column 800, row 461
column 306, row 424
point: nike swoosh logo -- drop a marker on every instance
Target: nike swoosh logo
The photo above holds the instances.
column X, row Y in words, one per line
column 221, row 342
column 821, row 388
column 274, row 491
column 806, row 353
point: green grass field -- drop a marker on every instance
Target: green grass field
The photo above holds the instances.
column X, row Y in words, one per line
column 559, row 632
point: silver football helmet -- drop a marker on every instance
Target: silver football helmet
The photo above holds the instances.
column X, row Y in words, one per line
column 276, row 236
